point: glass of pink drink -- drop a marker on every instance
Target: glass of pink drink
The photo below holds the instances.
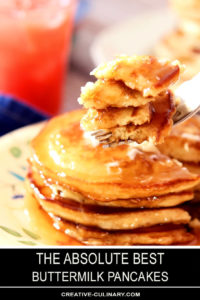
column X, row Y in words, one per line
column 34, row 45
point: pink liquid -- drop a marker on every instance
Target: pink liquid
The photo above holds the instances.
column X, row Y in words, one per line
column 34, row 44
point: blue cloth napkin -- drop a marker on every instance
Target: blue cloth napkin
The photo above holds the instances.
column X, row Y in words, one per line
column 82, row 9
column 15, row 114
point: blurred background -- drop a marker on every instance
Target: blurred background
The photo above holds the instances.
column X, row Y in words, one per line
column 49, row 47
column 101, row 17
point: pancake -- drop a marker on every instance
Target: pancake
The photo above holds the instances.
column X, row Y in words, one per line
column 145, row 74
column 111, row 93
column 184, row 47
column 191, row 28
column 120, row 220
column 178, row 44
column 62, row 154
column 183, row 42
column 52, row 190
column 187, row 9
column 113, row 218
column 111, row 117
column 89, row 232
column 195, row 169
column 158, row 235
column 184, row 145
column 184, row 141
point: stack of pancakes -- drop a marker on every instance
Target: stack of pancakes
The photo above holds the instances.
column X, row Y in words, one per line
column 183, row 43
column 125, row 195
column 130, row 100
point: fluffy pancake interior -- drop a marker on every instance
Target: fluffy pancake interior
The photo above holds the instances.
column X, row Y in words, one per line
column 110, row 93
column 154, row 131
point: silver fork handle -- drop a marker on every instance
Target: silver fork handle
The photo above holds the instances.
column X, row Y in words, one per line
column 189, row 95
column 182, row 113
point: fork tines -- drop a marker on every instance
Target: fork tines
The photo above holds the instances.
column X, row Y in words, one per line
column 103, row 137
column 98, row 132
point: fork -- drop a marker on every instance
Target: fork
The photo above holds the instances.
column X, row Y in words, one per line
column 189, row 95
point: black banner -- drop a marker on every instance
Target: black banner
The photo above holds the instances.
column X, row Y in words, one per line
column 100, row 272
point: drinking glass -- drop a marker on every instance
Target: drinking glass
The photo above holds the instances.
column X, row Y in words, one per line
column 34, row 46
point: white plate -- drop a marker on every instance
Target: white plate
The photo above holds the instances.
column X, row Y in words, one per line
column 14, row 220
column 136, row 36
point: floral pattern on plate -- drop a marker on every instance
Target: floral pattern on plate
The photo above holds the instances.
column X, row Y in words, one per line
column 14, row 220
